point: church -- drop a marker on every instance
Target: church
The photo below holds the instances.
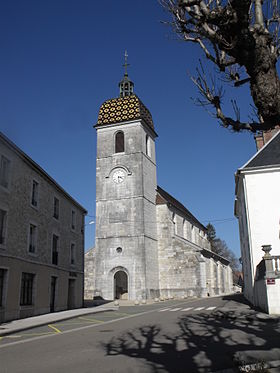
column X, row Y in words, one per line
column 147, row 244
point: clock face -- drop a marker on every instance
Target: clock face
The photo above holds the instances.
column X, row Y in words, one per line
column 119, row 176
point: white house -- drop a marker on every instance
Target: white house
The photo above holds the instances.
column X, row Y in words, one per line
column 257, row 207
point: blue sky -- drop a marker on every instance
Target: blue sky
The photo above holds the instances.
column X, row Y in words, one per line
column 60, row 59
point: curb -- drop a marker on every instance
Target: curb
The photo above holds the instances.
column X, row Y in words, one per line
column 252, row 367
column 45, row 322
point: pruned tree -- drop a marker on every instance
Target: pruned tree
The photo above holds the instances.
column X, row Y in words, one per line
column 241, row 38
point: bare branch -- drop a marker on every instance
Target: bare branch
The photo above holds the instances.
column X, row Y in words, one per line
column 258, row 13
column 241, row 82
column 235, row 34
column 213, row 96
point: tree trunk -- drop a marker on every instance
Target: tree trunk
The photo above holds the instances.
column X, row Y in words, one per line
column 264, row 83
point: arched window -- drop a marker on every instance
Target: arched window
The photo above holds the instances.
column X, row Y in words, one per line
column 174, row 219
column 185, row 229
column 119, row 142
column 148, row 146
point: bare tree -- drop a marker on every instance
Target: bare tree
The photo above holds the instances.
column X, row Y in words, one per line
column 241, row 37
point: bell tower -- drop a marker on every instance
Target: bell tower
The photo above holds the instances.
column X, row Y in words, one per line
column 126, row 264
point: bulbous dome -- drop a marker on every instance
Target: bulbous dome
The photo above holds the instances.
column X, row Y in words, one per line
column 123, row 109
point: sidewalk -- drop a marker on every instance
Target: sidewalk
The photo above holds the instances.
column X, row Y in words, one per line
column 237, row 311
column 15, row 326
column 239, row 308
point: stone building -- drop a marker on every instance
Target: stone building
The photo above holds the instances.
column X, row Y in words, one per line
column 41, row 239
column 147, row 243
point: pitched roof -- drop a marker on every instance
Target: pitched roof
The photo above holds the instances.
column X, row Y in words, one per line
column 164, row 198
column 269, row 155
column 123, row 109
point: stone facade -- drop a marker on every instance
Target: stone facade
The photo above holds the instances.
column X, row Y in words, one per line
column 41, row 239
column 89, row 272
column 187, row 267
column 148, row 245
column 123, row 210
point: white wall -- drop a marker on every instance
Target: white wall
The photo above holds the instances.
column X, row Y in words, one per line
column 258, row 210
column 263, row 206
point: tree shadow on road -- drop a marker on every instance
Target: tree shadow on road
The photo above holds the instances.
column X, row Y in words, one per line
column 198, row 343
column 238, row 298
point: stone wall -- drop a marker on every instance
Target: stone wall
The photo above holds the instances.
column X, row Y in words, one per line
column 89, row 274
column 15, row 254
column 179, row 268
column 126, row 232
column 185, row 267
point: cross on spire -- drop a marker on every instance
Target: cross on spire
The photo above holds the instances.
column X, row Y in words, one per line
column 125, row 63
column 126, row 85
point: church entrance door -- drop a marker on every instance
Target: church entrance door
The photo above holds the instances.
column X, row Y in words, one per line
column 120, row 285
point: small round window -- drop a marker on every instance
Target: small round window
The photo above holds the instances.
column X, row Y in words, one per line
column 119, row 250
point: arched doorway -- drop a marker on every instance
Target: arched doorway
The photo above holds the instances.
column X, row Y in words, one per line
column 120, row 285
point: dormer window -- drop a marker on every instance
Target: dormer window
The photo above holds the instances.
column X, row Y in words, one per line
column 119, row 142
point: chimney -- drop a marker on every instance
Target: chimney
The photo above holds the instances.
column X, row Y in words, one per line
column 263, row 137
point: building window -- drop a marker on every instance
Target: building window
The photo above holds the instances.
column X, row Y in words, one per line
column 32, row 238
column 185, row 229
column 119, row 142
column 73, row 220
column 34, row 196
column 174, row 219
column 2, row 278
column 56, row 208
column 3, row 223
column 55, row 249
column 26, row 295
column 148, row 146
column 4, row 171
column 72, row 253
column 193, row 235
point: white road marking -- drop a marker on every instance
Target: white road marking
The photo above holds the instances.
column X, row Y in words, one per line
column 199, row 308
column 187, row 309
column 91, row 326
column 210, row 308
column 165, row 309
column 175, row 309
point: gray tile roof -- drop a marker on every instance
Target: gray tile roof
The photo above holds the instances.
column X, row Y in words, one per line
column 163, row 198
column 269, row 155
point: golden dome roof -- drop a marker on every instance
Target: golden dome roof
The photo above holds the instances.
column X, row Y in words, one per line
column 123, row 109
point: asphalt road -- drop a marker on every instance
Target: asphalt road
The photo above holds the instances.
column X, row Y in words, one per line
column 177, row 336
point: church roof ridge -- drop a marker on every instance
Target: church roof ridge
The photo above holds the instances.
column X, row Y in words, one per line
column 123, row 109
column 164, row 197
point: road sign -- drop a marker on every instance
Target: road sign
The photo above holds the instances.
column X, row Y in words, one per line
column 270, row 281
